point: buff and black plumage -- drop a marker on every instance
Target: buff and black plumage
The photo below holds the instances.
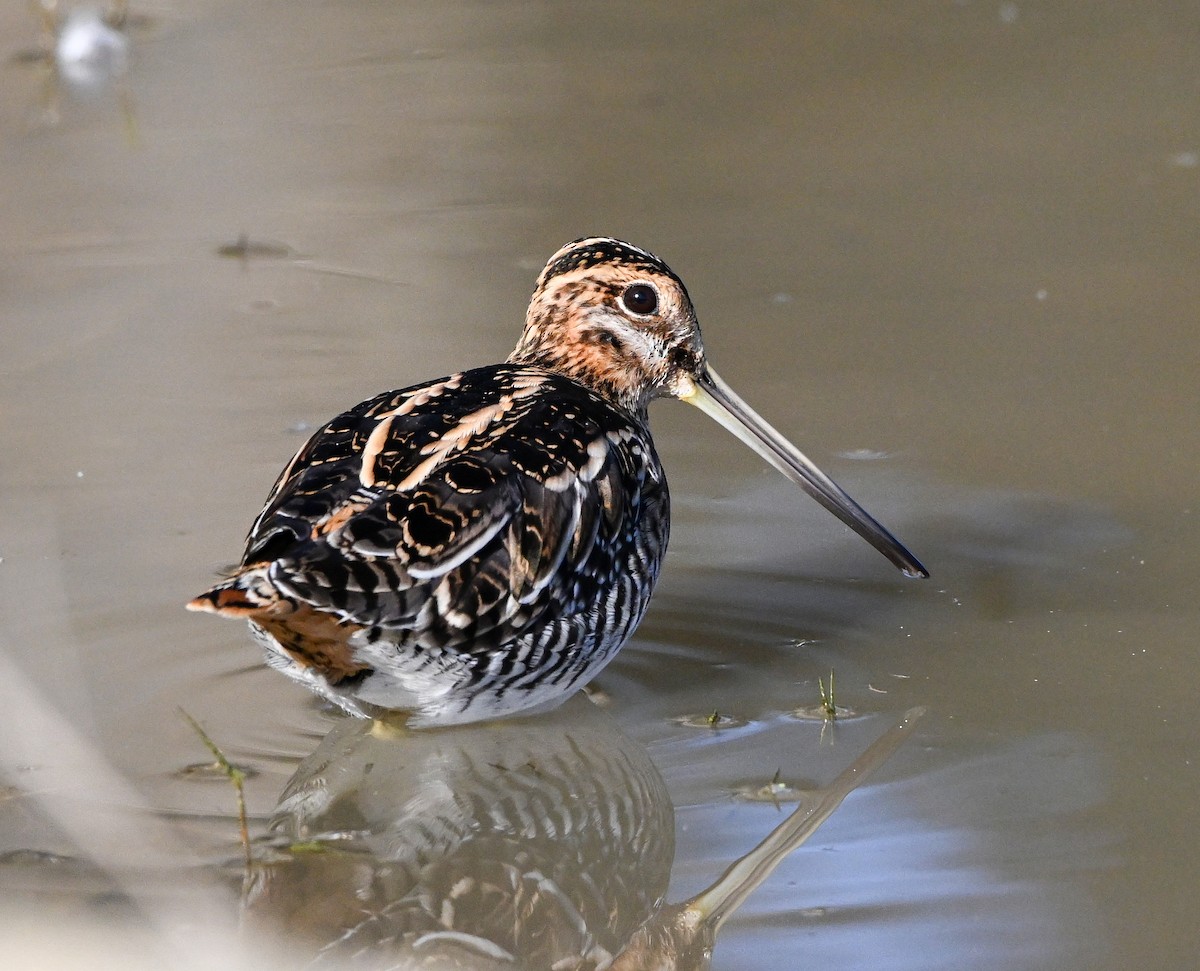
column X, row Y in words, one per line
column 483, row 544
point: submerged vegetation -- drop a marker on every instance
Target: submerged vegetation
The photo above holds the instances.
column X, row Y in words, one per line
column 236, row 775
column 828, row 703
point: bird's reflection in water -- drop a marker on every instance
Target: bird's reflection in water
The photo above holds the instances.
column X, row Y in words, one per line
column 540, row 843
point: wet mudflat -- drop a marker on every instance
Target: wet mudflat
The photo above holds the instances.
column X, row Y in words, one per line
column 950, row 251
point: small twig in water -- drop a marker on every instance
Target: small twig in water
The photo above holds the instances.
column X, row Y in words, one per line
column 236, row 776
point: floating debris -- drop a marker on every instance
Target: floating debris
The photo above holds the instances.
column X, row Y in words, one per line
column 85, row 52
column 714, row 719
column 209, row 772
column 89, row 51
column 30, row 857
column 865, row 455
column 776, row 791
column 245, row 248
column 598, row 696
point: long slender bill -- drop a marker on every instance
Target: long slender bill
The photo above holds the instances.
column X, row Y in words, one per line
column 719, row 401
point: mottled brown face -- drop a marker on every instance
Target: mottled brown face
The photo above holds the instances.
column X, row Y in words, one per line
column 616, row 319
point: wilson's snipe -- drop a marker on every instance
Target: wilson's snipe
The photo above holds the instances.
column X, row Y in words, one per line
column 483, row 544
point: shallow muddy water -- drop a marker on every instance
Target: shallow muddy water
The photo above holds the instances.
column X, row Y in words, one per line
column 949, row 248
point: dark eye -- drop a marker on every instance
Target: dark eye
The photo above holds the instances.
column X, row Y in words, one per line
column 640, row 298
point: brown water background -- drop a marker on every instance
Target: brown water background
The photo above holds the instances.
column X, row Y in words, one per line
column 950, row 248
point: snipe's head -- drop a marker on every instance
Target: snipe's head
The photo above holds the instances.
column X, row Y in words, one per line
column 616, row 319
column 619, row 321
